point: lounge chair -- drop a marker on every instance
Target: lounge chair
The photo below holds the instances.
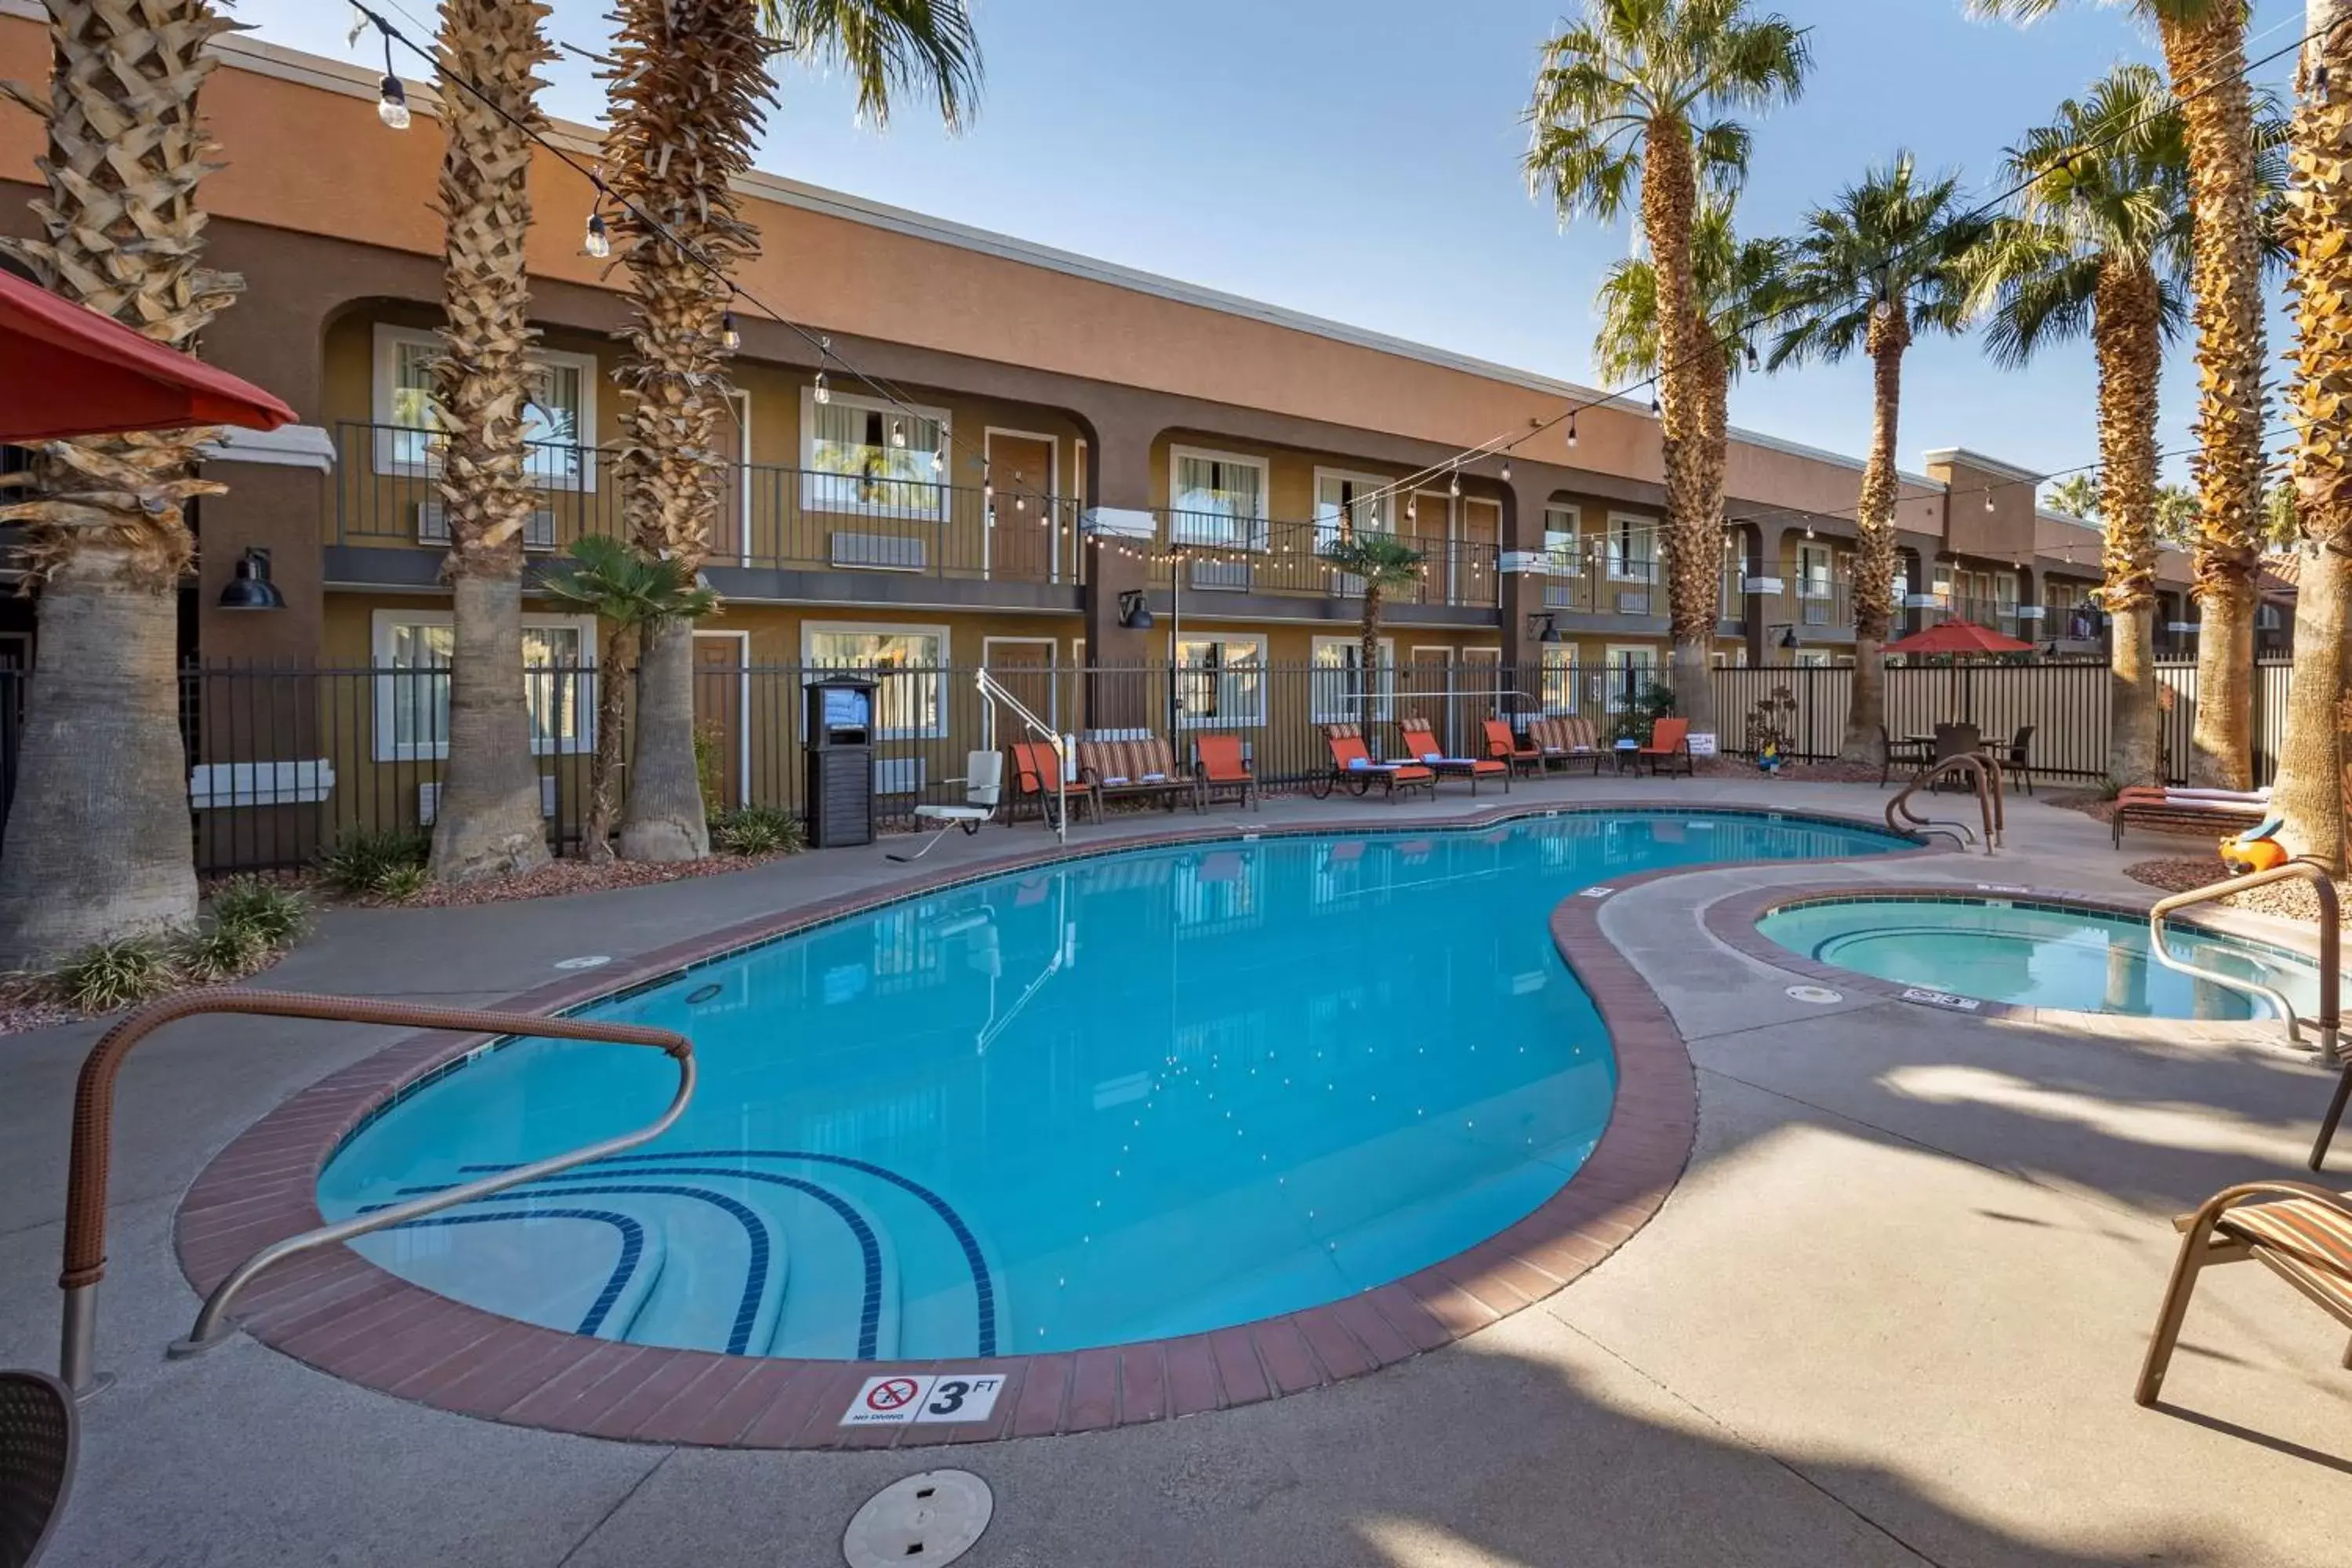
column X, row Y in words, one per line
column 1502, row 746
column 983, row 783
column 1669, row 739
column 40, row 1429
column 2301, row 1233
column 2188, row 810
column 1138, row 767
column 1421, row 743
column 1037, row 774
column 1219, row 767
column 1353, row 769
column 1565, row 740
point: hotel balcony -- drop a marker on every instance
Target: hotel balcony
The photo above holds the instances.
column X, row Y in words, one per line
column 1252, row 567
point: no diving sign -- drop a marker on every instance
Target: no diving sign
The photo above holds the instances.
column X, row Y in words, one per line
column 946, row 1396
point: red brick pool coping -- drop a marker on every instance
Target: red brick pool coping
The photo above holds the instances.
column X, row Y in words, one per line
column 335, row 1310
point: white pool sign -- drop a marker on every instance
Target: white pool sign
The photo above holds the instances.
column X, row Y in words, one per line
column 1927, row 998
column 931, row 1398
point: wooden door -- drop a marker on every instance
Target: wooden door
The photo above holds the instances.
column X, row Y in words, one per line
column 726, row 546
column 718, row 710
column 1022, row 544
column 1025, row 668
column 1476, row 579
column 1430, row 532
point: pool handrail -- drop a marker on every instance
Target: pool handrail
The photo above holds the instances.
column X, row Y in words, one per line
column 1983, row 771
column 93, row 1123
column 2329, row 1021
column 993, row 692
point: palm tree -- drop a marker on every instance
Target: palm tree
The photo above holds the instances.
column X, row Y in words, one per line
column 2177, row 516
column 690, row 89
column 98, row 846
column 1877, row 268
column 487, row 821
column 2205, row 51
column 627, row 592
column 1382, row 562
column 2099, row 246
column 2312, row 774
column 1628, row 100
column 2076, row 495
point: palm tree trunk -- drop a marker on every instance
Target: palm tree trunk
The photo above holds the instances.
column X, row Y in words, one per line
column 487, row 820
column 2206, row 63
column 2129, row 339
column 1873, row 572
column 611, row 718
column 2312, row 779
column 98, row 846
column 663, row 819
column 1368, row 656
column 99, row 843
column 1694, row 456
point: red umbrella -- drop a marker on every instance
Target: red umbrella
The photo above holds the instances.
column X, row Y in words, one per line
column 72, row 372
column 1958, row 639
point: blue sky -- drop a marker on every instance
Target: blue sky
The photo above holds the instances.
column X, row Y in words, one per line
column 1358, row 159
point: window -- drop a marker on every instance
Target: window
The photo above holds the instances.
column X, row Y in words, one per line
column 905, row 663
column 1216, row 498
column 1813, row 570
column 1338, row 682
column 1220, row 681
column 1631, row 549
column 2004, row 590
column 1560, row 540
column 1346, row 503
column 559, row 420
column 871, row 457
column 1810, row 659
column 411, row 710
column 1558, row 693
column 1632, row 670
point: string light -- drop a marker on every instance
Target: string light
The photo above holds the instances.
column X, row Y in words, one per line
column 1989, row 501
column 598, row 242
column 391, row 101
column 824, row 393
column 1454, row 484
column 897, row 433
column 1571, row 432
column 729, row 337
column 1507, row 471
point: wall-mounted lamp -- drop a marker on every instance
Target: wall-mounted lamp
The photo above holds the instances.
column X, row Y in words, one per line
column 1133, row 612
column 1543, row 625
column 249, row 588
column 1788, row 637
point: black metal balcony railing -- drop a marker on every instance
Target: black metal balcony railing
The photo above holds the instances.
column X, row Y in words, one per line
column 1814, row 607
column 1998, row 614
column 1221, row 554
column 1590, row 583
column 772, row 517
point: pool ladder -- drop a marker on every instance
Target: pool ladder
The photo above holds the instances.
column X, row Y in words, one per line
column 2328, row 1024
column 1982, row 770
column 93, row 1132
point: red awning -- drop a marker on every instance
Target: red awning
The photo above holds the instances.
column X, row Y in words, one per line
column 1956, row 638
column 72, row 372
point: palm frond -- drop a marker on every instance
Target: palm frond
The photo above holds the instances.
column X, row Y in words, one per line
column 888, row 47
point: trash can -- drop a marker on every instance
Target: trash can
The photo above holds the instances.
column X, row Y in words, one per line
column 840, row 762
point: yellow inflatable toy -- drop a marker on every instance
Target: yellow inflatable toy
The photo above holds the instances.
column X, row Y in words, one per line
column 2260, row 854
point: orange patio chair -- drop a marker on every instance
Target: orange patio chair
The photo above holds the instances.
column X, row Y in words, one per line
column 1037, row 774
column 1421, row 743
column 1669, row 739
column 1504, row 747
column 1353, row 769
column 1223, row 767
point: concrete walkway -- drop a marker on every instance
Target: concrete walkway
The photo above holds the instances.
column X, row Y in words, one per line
column 1891, row 1315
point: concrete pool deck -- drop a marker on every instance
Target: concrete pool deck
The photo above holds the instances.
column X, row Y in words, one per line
column 1890, row 1314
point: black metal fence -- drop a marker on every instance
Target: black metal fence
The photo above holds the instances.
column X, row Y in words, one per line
column 286, row 762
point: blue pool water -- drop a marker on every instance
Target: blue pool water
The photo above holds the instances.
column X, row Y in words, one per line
column 1140, row 1095
column 2041, row 954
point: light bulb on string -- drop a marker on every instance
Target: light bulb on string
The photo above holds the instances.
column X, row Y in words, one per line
column 392, row 98
column 898, row 432
column 729, row 337
column 1571, row 432
column 1507, row 471
column 597, row 242
column 1988, row 502
column 824, row 393
column 1454, row 484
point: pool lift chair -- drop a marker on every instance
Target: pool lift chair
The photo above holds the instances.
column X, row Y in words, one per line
column 983, row 783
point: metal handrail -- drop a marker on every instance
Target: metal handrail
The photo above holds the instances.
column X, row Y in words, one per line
column 1983, row 771
column 994, row 690
column 85, row 1180
column 2330, row 944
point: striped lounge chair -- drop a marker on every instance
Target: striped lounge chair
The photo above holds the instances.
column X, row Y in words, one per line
column 1353, row 769
column 2301, row 1233
column 1135, row 767
column 1421, row 742
column 1565, row 740
column 2189, row 810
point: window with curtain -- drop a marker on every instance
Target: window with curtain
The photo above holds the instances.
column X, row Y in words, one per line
column 1218, row 500
column 413, row 707
column 905, row 667
column 1348, row 504
column 1221, row 681
column 1560, row 541
column 1813, row 570
column 1632, row 545
column 559, row 419
column 1337, row 680
column 1558, row 694
column 868, row 458
column 1632, row 671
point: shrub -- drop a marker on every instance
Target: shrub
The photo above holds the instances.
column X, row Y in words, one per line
column 710, row 770
column 113, row 974
column 1656, row 702
column 365, row 862
column 220, row 952
column 274, row 915
column 758, row 830
column 400, row 883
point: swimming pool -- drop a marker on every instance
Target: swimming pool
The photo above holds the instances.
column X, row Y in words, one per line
column 2037, row 953
column 1122, row 1098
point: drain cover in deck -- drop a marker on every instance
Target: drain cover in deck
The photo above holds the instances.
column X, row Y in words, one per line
column 932, row 1518
column 1820, row 995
